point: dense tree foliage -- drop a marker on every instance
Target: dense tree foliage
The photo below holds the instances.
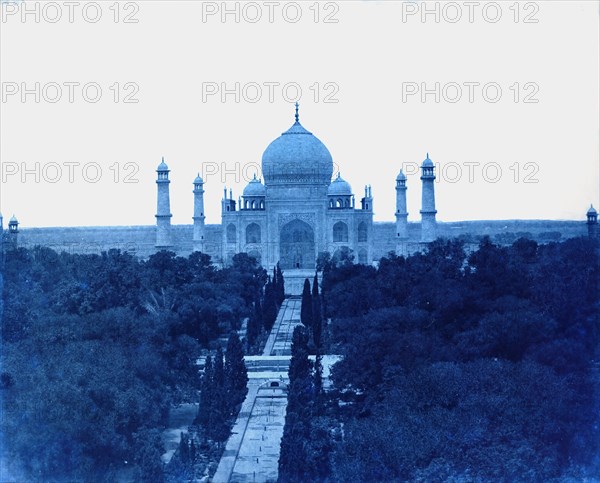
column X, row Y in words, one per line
column 457, row 368
column 97, row 349
column 264, row 314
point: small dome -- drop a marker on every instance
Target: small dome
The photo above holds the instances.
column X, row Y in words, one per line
column 427, row 163
column 13, row 219
column 339, row 187
column 162, row 166
column 592, row 211
column 254, row 188
column 198, row 179
column 401, row 176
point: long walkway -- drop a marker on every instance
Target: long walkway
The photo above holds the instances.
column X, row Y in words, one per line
column 279, row 342
column 252, row 451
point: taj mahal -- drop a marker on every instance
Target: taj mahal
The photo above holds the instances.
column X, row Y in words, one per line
column 299, row 212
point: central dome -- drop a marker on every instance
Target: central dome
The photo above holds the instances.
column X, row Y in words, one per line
column 297, row 157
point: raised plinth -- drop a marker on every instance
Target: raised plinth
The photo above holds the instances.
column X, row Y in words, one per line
column 294, row 280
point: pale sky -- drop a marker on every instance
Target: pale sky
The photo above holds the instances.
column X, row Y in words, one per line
column 371, row 61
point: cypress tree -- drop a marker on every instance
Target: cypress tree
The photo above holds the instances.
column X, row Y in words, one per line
column 219, row 369
column 325, row 287
column 293, row 454
column 236, row 374
column 296, row 432
column 280, row 284
column 318, row 382
column 316, row 306
column 255, row 323
column 269, row 307
column 218, row 428
column 300, row 365
column 184, row 453
column 192, row 451
column 306, row 307
column 206, row 391
column 300, row 374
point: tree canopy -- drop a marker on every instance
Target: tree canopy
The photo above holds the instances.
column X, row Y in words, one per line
column 463, row 368
column 96, row 349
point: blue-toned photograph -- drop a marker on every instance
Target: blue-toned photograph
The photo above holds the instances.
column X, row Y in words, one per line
column 320, row 241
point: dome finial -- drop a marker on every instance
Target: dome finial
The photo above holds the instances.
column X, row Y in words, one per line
column 297, row 115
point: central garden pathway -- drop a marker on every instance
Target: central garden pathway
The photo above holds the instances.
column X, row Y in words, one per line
column 252, row 451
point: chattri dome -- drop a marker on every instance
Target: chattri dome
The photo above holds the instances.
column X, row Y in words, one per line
column 297, row 156
column 255, row 188
column 427, row 163
column 162, row 166
column 339, row 187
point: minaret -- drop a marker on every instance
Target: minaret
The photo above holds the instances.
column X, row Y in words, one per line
column 227, row 204
column 367, row 201
column 163, row 209
column 428, row 211
column 224, row 200
column 401, row 213
column 592, row 222
column 198, row 214
column 13, row 232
